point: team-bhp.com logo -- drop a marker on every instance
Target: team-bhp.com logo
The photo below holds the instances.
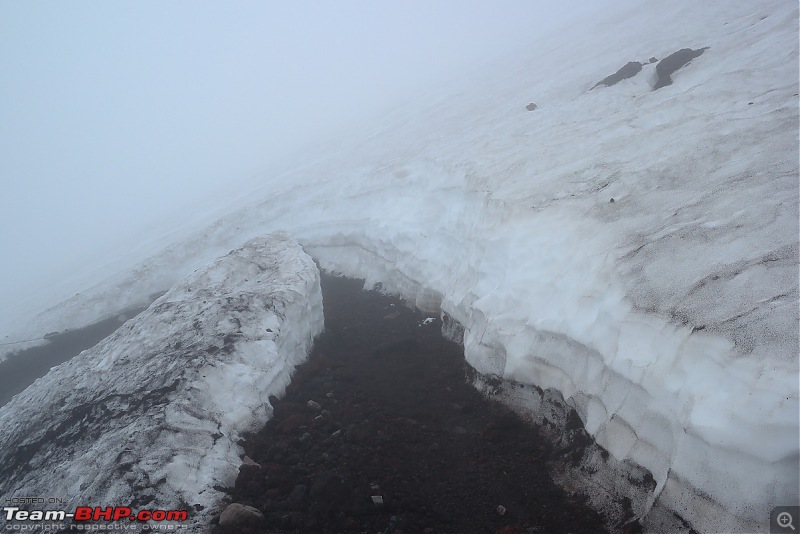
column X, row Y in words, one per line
column 18, row 519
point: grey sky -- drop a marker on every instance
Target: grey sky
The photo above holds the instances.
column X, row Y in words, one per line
column 113, row 114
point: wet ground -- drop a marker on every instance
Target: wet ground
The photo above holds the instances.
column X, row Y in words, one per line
column 380, row 431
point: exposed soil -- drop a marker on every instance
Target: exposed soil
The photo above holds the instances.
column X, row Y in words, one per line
column 396, row 421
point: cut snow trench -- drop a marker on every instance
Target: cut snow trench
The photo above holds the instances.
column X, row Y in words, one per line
column 383, row 403
column 617, row 404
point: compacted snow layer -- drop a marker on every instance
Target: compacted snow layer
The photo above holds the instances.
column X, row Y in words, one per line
column 152, row 415
column 667, row 318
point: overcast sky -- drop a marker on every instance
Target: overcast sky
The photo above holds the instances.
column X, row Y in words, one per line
column 113, row 114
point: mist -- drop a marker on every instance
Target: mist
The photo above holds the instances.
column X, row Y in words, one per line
column 114, row 116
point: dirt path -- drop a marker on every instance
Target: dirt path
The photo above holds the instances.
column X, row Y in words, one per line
column 382, row 412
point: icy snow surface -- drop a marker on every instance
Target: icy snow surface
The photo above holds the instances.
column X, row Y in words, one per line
column 667, row 318
column 152, row 415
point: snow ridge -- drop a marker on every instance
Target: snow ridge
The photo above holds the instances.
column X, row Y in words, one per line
column 151, row 416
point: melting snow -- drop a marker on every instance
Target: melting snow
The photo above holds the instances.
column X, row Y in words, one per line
column 153, row 414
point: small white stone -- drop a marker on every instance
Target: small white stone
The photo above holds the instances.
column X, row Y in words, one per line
column 239, row 514
column 249, row 461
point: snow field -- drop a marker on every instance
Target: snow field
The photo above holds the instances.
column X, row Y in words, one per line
column 667, row 319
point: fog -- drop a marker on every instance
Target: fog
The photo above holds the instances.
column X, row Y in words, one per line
column 117, row 115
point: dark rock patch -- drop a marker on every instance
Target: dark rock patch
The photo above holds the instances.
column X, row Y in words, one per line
column 653, row 59
column 629, row 70
column 634, row 527
column 531, row 106
column 667, row 66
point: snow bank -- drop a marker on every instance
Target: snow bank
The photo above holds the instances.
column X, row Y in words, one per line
column 151, row 416
column 668, row 318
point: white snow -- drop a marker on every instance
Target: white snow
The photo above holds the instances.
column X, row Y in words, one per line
column 668, row 319
column 157, row 409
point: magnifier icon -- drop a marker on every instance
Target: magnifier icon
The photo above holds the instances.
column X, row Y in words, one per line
column 785, row 520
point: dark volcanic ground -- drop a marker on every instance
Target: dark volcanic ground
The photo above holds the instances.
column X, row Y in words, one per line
column 395, row 420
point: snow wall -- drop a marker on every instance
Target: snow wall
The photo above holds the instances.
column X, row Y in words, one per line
column 152, row 415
